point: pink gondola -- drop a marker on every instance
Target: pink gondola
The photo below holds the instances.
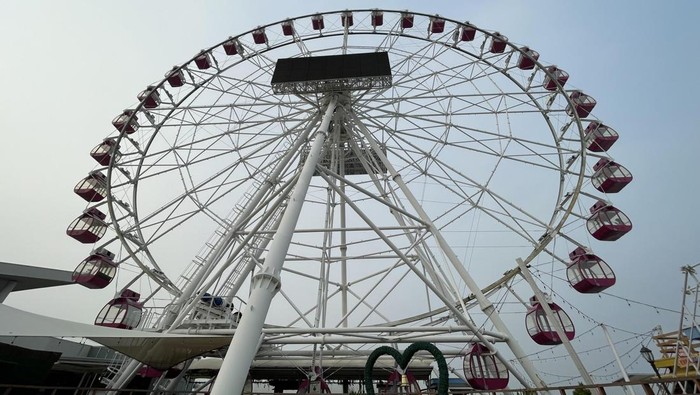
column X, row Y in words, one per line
column 122, row 312
column 588, row 273
column 483, row 370
column 527, row 58
column 377, row 18
column 288, row 28
column 346, row 19
column 92, row 188
column 555, row 77
column 317, row 22
column 607, row 223
column 231, row 46
column 97, row 270
column 406, row 20
column 259, row 36
column 175, row 77
column 498, row 43
column 314, row 383
column 150, row 97
column 599, row 137
column 127, row 121
column 609, row 176
column 203, row 60
column 149, row 372
column 437, row 25
column 104, row 152
column 541, row 329
column 89, row 227
column 582, row 103
column 468, row 32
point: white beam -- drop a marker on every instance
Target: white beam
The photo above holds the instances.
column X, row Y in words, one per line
column 266, row 283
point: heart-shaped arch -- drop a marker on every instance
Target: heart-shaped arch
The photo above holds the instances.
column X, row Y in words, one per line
column 403, row 360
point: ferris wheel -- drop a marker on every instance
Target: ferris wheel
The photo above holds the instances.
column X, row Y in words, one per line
column 386, row 176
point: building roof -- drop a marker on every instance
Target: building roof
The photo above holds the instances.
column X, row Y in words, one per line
column 159, row 350
column 32, row 277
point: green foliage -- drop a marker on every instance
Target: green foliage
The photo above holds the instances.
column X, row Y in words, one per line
column 582, row 391
column 403, row 360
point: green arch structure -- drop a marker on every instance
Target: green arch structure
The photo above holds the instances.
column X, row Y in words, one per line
column 403, row 360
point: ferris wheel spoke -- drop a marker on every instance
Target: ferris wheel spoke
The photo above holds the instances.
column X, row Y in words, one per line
column 379, row 232
column 203, row 186
column 153, row 163
column 501, row 202
column 498, row 216
column 361, row 301
column 167, row 168
column 242, row 116
column 458, row 210
column 422, row 133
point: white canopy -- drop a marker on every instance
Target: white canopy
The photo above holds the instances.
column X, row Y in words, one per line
column 159, row 350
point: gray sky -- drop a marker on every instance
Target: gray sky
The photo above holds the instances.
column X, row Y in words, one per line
column 69, row 67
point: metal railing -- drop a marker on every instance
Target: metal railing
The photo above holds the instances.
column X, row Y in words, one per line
column 646, row 387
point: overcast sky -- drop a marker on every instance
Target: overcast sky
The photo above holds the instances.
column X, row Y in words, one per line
column 69, row 67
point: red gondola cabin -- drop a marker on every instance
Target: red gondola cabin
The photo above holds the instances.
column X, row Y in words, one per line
column 377, row 18
column 97, row 270
column 599, row 137
column 587, row 273
column 527, row 58
column 92, row 188
column 582, row 103
column 104, row 151
column 126, row 121
column 406, row 20
column 607, row 222
column 317, row 22
column 288, row 28
column 317, row 386
column 346, row 19
column 231, row 46
column 468, row 32
column 483, row 370
column 203, row 60
column 175, row 77
column 610, row 177
column 553, row 77
column 89, row 227
column 122, row 312
column 539, row 327
column 259, row 36
column 150, row 97
column 437, row 25
column 149, row 372
column 498, row 43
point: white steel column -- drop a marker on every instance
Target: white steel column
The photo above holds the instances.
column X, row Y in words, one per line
column 485, row 304
column 628, row 389
column 343, row 246
column 266, row 283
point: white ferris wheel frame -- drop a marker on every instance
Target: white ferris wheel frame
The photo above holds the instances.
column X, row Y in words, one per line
column 125, row 174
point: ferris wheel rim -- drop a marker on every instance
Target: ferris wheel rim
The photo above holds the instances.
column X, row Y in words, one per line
column 555, row 229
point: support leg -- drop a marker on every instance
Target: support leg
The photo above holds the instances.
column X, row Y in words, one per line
column 266, row 283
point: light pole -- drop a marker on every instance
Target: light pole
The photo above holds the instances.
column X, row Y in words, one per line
column 648, row 356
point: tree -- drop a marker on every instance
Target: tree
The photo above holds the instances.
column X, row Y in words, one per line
column 582, row 391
